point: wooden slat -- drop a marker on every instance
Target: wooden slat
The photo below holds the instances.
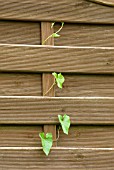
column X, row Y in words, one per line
column 40, row 110
column 85, row 35
column 27, row 136
column 59, row 59
column 48, row 79
column 87, row 85
column 20, row 84
column 59, row 158
column 12, row 32
column 88, row 137
column 79, row 136
column 52, row 10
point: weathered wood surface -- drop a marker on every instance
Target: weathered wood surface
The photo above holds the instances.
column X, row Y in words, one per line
column 13, row 32
column 87, row 85
column 20, row 136
column 40, row 110
column 88, row 137
column 20, row 84
column 65, row 10
column 85, row 35
column 79, row 136
column 58, row 59
column 14, row 84
column 87, row 147
column 48, row 79
column 59, row 158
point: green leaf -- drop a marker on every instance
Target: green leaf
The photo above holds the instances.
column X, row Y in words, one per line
column 55, row 75
column 59, row 79
column 47, row 142
column 53, row 23
column 65, row 123
column 55, row 35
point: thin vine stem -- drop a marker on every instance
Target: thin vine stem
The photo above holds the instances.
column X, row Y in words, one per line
column 47, row 39
column 53, row 33
column 50, row 87
column 58, row 135
column 60, row 28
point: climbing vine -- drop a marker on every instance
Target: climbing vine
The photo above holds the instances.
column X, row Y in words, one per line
column 55, row 34
column 47, row 139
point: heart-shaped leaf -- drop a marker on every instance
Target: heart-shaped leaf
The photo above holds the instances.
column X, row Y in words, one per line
column 65, row 123
column 47, row 142
column 55, row 35
column 59, row 79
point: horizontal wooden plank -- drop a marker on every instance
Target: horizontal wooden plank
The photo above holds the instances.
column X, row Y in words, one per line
column 54, row 58
column 86, row 85
column 79, row 136
column 27, row 136
column 67, row 10
column 60, row 158
column 88, row 137
column 85, row 35
column 12, row 32
column 20, row 84
column 45, row 110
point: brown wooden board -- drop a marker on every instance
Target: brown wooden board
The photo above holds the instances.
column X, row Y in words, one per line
column 79, row 136
column 20, row 84
column 48, row 79
column 20, row 136
column 58, row 59
column 52, row 10
column 81, row 159
column 88, row 137
column 45, row 110
column 12, row 32
column 85, row 35
column 86, row 85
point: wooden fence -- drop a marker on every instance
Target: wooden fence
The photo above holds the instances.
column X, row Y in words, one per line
column 84, row 53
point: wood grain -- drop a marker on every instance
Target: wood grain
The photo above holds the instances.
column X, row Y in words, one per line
column 12, row 32
column 52, row 10
column 86, row 85
column 88, row 137
column 45, row 110
column 47, row 78
column 85, row 35
column 20, row 84
column 58, row 59
column 27, row 136
column 81, row 159
column 79, row 136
